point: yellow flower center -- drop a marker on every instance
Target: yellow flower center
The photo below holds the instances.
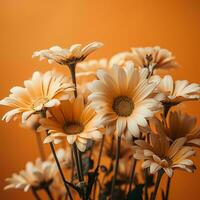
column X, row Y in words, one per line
column 73, row 128
column 123, row 106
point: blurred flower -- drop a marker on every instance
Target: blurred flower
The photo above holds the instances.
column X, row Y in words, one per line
column 178, row 91
column 179, row 125
column 160, row 154
column 86, row 71
column 153, row 57
column 76, row 53
column 121, row 100
column 64, row 156
column 34, row 175
column 121, row 59
column 110, row 146
column 73, row 121
column 32, row 122
column 43, row 90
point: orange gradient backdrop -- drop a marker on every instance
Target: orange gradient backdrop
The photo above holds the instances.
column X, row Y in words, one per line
column 29, row 25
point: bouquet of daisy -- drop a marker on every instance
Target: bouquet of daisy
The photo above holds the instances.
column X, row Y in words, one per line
column 114, row 126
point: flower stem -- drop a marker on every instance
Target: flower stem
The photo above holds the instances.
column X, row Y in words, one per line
column 116, row 166
column 72, row 69
column 159, row 177
column 132, row 173
column 98, row 163
column 35, row 194
column 40, row 146
column 168, row 187
column 60, row 170
column 48, row 193
column 146, row 184
column 80, row 176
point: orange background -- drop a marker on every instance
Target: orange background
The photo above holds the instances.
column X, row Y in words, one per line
column 29, row 25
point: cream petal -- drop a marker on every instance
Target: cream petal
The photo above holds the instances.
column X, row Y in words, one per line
column 120, row 125
column 133, row 127
column 71, row 138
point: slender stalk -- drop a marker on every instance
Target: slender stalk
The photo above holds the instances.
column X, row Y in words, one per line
column 168, row 187
column 159, row 177
column 72, row 171
column 60, row 170
column 80, row 163
column 98, row 163
column 132, row 173
column 116, row 166
column 40, row 146
column 48, row 193
column 146, row 196
column 72, row 69
column 165, row 112
column 35, row 194
column 80, row 177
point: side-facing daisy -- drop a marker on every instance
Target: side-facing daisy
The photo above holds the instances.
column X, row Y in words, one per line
column 153, row 57
column 121, row 100
column 178, row 91
column 72, row 120
column 34, row 175
column 41, row 91
column 179, row 125
column 76, row 53
column 160, row 154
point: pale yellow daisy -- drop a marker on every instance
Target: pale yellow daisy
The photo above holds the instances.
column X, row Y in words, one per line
column 33, row 175
column 72, row 120
column 160, row 154
column 121, row 100
column 153, row 58
column 121, row 59
column 178, row 91
column 41, row 91
column 76, row 53
column 179, row 125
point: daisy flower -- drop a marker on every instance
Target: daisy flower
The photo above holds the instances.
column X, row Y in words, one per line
column 179, row 125
column 72, row 120
column 41, row 91
column 153, row 58
column 64, row 156
column 160, row 154
column 178, row 91
column 121, row 100
column 86, row 71
column 121, row 59
column 76, row 53
column 34, row 175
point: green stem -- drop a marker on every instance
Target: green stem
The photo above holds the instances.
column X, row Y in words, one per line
column 116, row 166
column 40, row 146
column 159, row 177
